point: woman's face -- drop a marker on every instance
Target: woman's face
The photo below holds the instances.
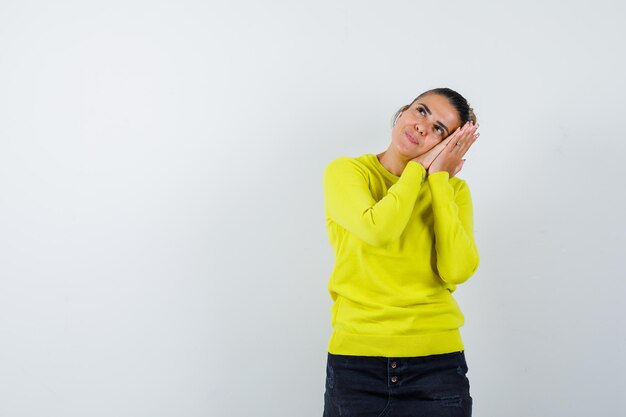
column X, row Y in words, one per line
column 428, row 121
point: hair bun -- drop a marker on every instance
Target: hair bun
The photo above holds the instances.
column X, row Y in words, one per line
column 472, row 115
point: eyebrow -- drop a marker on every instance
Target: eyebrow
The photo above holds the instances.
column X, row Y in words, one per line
column 438, row 123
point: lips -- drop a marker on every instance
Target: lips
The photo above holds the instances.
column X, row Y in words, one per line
column 411, row 138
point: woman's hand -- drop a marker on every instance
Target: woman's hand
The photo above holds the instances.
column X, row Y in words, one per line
column 450, row 158
column 427, row 158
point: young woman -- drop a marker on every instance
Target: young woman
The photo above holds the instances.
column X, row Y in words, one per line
column 401, row 226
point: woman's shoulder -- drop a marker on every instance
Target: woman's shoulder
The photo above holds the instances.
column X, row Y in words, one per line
column 347, row 163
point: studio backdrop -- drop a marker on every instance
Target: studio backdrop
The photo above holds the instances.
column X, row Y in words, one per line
column 163, row 250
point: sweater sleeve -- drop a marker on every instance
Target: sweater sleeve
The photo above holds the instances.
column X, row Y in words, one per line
column 350, row 204
column 457, row 255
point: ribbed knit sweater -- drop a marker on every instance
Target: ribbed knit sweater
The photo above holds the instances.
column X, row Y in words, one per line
column 401, row 246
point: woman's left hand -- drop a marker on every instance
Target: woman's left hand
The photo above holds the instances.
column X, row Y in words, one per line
column 451, row 158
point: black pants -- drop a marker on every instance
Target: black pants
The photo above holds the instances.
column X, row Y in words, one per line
column 428, row 386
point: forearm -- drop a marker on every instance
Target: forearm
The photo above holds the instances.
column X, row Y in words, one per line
column 457, row 254
column 349, row 203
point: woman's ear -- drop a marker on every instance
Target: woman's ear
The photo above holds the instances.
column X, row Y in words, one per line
column 402, row 109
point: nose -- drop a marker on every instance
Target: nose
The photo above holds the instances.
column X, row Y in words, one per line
column 420, row 129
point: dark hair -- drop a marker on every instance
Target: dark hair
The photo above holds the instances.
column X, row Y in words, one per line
column 466, row 113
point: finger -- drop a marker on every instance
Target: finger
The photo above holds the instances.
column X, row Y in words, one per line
column 465, row 145
column 461, row 142
column 461, row 136
column 461, row 130
column 453, row 135
column 466, row 132
column 470, row 130
column 467, row 140
column 470, row 137
column 450, row 138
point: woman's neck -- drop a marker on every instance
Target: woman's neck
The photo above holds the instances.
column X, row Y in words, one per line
column 392, row 162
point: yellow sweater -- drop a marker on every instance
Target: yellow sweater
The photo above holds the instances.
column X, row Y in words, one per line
column 401, row 246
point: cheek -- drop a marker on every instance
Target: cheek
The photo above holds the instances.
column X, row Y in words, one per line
column 397, row 134
column 432, row 142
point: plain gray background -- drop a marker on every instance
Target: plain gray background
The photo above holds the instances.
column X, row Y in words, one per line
column 162, row 240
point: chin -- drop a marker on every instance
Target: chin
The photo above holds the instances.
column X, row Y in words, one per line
column 406, row 151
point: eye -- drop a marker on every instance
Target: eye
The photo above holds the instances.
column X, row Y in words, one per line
column 439, row 130
column 421, row 110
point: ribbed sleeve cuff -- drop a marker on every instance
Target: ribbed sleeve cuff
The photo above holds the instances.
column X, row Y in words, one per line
column 438, row 178
column 415, row 171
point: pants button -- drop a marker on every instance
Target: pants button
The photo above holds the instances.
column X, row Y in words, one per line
column 394, row 379
column 394, row 364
